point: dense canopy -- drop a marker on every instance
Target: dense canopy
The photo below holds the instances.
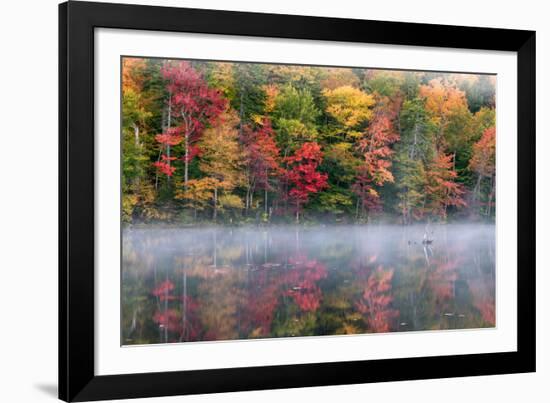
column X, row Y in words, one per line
column 262, row 143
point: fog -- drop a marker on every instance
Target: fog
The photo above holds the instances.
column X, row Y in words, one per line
column 310, row 280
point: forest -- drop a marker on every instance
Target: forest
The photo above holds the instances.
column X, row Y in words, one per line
column 248, row 143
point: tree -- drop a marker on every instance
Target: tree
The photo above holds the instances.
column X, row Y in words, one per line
column 294, row 117
column 339, row 77
column 441, row 189
column 261, row 160
column 302, row 175
column 375, row 149
column 221, row 156
column 222, row 77
column 250, row 97
column 194, row 105
column 413, row 153
column 350, row 107
column 198, row 194
column 340, row 162
column 443, row 100
column 136, row 115
column 412, row 143
column 134, row 101
column 479, row 90
column 483, row 164
column 167, row 140
column 384, row 83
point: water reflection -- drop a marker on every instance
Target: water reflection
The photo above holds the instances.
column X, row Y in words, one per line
column 181, row 285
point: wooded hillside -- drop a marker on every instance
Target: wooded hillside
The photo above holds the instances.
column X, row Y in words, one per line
column 259, row 143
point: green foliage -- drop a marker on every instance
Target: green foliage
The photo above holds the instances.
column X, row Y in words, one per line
column 390, row 141
column 294, row 117
column 336, row 201
column 385, row 83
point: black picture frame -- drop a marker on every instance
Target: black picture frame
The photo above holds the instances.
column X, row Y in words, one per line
column 77, row 379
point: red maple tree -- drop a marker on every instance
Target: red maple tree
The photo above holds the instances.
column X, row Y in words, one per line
column 193, row 105
column 262, row 159
column 302, row 175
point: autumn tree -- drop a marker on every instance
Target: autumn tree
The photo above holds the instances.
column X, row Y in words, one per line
column 375, row 149
column 483, row 164
column 193, row 105
column 221, row 75
column 350, row 107
column 442, row 190
column 221, row 160
column 261, row 160
column 443, row 101
column 136, row 116
column 303, row 176
column 417, row 142
column 198, row 195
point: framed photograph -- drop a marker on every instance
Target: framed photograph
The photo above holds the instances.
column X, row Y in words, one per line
column 257, row 201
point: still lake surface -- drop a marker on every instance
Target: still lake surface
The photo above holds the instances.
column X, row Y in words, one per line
column 181, row 285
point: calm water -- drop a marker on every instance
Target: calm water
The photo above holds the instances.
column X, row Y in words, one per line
column 183, row 285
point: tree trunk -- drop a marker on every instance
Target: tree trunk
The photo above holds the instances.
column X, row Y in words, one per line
column 265, row 200
column 136, row 135
column 157, row 172
column 136, row 142
column 186, row 163
column 477, row 188
column 169, row 123
column 490, row 200
column 477, row 195
column 241, row 113
column 215, row 213
column 454, row 160
column 265, row 190
column 168, row 160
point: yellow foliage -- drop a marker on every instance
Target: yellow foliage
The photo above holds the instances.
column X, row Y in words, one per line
column 442, row 99
column 129, row 201
column 199, row 192
column 271, row 92
column 223, row 78
column 222, row 157
column 229, row 201
column 349, row 106
column 132, row 74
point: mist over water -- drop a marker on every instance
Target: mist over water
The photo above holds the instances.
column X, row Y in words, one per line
column 223, row 283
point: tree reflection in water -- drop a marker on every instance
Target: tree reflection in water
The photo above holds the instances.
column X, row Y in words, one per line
column 222, row 284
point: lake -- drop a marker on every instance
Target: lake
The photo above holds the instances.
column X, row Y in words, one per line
column 198, row 284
